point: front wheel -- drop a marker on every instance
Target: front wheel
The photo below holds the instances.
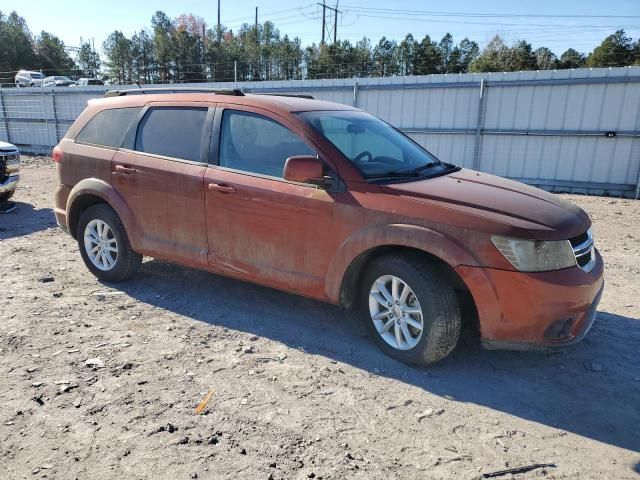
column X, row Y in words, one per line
column 410, row 309
column 104, row 245
column 5, row 197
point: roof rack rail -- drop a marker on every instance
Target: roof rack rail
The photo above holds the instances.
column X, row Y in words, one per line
column 295, row 95
column 160, row 90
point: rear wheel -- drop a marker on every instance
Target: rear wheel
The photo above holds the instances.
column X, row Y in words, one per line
column 409, row 308
column 104, row 245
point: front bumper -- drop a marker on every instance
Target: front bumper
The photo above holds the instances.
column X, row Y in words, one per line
column 520, row 310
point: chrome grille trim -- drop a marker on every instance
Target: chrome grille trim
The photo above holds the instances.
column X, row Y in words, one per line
column 9, row 165
column 585, row 253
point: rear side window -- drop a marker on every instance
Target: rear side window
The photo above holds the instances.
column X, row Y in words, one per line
column 108, row 127
column 254, row 143
column 172, row 132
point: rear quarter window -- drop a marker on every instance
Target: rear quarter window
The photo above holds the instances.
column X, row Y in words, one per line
column 108, row 127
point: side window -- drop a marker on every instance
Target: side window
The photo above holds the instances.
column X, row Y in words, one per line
column 108, row 127
column 172, row 132
column 254, row 143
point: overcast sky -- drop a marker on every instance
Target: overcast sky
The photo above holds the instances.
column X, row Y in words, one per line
column 557, row 24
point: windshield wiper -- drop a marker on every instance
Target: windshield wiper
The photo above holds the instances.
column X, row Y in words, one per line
column 426, row 166
column 407, row 174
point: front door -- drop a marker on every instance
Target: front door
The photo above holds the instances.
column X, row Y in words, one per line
column 259, row 226
column 160, row 178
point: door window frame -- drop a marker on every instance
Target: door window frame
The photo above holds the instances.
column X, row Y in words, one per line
column 130, row 138
column 216, row 139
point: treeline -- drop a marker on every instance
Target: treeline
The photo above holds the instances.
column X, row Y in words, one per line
column 20, row 49
column 185, row 49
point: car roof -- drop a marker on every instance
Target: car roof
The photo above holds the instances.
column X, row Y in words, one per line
column 269, row 102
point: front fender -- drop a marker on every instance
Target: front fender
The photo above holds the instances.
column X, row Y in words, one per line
column 101, row 189
column 399, row 235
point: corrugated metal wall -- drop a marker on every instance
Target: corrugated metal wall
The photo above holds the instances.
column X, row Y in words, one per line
column 568, row 130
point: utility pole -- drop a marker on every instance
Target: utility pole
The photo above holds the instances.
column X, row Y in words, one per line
column 324, row 9
column 335, row 24
column 202, row 59
column 219, row 28
column 335, row 10
column 256, row 19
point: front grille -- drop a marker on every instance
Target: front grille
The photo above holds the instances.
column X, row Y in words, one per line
column 579, row 240
column 583, row 250
column 6, row 157
column 583, row 260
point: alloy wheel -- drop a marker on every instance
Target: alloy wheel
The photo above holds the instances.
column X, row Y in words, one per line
column 100, row 245
column 396, row 312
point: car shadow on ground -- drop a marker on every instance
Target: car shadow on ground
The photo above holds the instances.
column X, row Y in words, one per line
column 25, row 220
column 591, row 389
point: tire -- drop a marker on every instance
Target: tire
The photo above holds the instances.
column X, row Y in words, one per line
column 5, row 197
column 430, row 293
column 125, row 262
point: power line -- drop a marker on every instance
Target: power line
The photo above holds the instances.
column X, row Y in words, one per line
column 414, row 18
column 467, row 14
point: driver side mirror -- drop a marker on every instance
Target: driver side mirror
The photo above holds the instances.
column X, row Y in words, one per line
column 305, row 169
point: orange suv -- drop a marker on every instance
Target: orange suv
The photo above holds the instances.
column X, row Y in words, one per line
column 326, row 201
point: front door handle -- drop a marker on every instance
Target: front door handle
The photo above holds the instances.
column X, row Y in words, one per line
column 125, row 170
column 221, row 187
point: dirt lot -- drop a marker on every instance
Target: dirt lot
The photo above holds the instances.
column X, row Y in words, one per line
column 299, row 391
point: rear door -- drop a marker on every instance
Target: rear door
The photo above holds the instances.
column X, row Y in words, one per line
column 260, row 226
column 160, row 174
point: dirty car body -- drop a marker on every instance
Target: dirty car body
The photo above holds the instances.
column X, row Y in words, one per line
column 273, row 190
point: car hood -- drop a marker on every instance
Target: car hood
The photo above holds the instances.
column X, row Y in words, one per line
column 542, row 215
column 4, row 146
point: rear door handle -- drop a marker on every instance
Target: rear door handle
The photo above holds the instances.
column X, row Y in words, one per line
column 125, row 170
column 221, row 187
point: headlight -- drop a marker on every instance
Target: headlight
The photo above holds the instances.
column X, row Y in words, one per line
column 535, row 255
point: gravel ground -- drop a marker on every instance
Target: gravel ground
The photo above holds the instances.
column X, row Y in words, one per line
column 298, row 390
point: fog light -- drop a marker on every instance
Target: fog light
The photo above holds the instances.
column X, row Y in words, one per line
column 559, row 329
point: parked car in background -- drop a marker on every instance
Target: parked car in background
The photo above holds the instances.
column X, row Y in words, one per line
column 28, row 78
column 57, row 81
column 9, row 170
column 83, row 82
column 327, row 201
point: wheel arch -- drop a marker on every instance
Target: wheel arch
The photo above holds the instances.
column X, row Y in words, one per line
column 359, row 250
column 93, row 191
column 350, row 282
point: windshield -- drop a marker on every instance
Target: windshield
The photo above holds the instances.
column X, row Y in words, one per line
column 61, row 78
column 376, row 148
column 36, row 75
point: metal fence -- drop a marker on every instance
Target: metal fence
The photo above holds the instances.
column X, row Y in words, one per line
column 569, row 130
